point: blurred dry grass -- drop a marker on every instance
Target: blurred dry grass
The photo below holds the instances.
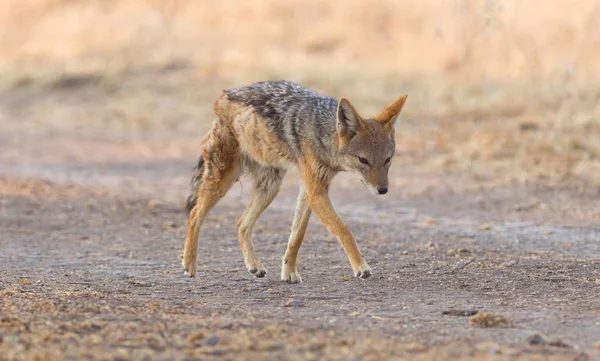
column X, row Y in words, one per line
column 499, row 88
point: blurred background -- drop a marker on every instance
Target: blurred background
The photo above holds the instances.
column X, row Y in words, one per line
column 502, row 90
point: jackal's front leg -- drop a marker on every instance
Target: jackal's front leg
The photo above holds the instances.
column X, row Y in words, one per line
column 318, row 199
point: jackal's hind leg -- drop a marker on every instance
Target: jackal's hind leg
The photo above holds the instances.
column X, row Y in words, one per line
column 214, row 184
column 289, row 273
column 267, row 182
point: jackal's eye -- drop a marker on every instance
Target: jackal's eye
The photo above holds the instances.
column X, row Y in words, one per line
column 388, row 160
column 363, row 160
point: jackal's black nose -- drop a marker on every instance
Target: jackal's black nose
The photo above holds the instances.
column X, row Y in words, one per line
column 382, row 190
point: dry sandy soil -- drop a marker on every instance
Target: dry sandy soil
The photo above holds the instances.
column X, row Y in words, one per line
column 92, row 230
column 486, row 248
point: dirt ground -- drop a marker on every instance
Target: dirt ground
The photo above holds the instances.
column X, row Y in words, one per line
column 92, row 230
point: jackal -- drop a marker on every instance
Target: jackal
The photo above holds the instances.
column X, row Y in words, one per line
column 264, row 129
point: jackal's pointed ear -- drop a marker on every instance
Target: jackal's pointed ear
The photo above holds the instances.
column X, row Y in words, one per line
column 348, row 121
column 389, row 115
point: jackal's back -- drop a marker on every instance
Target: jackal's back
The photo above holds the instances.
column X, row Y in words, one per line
column 296, row 115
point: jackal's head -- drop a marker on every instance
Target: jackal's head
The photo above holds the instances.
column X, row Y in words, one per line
column 367, row 145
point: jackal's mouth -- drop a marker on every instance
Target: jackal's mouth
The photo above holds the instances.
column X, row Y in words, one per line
column 369, row 187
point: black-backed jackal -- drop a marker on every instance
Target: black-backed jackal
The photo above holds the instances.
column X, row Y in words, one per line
column 266, row 128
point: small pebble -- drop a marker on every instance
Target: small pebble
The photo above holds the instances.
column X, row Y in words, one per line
column 210, row 340
column 536, row 339
column 294, row 303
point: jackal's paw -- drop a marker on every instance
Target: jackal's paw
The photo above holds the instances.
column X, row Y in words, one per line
column 189, row 268
column 290, row 275
column 363, row 271
column 257, row 271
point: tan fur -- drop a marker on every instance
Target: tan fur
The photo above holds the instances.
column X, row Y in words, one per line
column 318, row 199
column 289, row 273
column 243, row 140
column 220, row 148
column 254, row 137
column 389, row 115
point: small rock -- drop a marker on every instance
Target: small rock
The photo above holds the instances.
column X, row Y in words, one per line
column 488, row 319
column 294, row 303
column 459, row 252
column 168, row 225
column 432, row 246
column 139, row 283
column 528, row 206
column 510, row 264
column 430, row 222
column 528, row 126
column 464, row 251
column 210, row 340
column 316, row 347
column 196, row 337
column 272, row 346
column 536, row 339
column 227, row 326
column 460, row 313
column 559, row 343
column 484, row 227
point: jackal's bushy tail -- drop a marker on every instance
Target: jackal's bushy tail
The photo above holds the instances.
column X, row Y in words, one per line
column 195, row 183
